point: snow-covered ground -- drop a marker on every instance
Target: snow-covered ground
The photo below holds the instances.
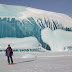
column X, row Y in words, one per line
column 43, row 61
column 38, row 62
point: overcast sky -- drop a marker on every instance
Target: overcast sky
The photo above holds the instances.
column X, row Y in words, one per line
column 60, row 6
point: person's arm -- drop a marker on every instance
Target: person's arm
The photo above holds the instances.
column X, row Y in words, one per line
column 11, row 51
column 6, row 52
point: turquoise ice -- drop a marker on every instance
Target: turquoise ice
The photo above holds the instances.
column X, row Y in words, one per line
column 21, row 21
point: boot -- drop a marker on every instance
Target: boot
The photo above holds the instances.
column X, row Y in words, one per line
column 8, row 63
column 12, row 63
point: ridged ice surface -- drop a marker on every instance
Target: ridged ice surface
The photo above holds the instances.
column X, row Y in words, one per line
column 21, row 21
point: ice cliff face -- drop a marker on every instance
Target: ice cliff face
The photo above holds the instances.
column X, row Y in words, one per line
column 21, row 21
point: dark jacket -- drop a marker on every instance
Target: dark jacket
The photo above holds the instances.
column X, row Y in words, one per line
column 9, row 51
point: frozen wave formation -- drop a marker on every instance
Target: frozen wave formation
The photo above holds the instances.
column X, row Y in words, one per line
column 21, row 22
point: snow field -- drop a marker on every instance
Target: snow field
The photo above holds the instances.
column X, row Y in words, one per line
column 37, row 62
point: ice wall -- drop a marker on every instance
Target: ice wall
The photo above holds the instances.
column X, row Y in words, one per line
column 21, row 21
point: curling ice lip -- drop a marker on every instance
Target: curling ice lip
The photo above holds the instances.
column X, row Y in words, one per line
column 57, row 39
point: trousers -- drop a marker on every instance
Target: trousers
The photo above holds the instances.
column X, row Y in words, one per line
column 10, row 58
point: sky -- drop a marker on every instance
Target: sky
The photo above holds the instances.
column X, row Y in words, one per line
column 60, row 6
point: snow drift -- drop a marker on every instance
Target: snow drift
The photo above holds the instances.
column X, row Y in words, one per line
column 18, row 43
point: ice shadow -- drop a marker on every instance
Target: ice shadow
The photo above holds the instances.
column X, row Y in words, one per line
column 24, row 61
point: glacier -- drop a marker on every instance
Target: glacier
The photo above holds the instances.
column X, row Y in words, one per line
column 21, row 22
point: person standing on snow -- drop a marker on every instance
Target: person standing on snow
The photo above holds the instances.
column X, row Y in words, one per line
column 9, row 54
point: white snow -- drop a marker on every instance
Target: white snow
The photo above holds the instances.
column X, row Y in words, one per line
column 28, row 56
column 38, row 62
column 18, row 43
column 63, row 19
column 57, row 39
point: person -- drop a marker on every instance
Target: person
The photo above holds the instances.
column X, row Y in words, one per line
column 9, row 53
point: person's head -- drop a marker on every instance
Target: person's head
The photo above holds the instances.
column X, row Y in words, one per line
column 8, row 45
